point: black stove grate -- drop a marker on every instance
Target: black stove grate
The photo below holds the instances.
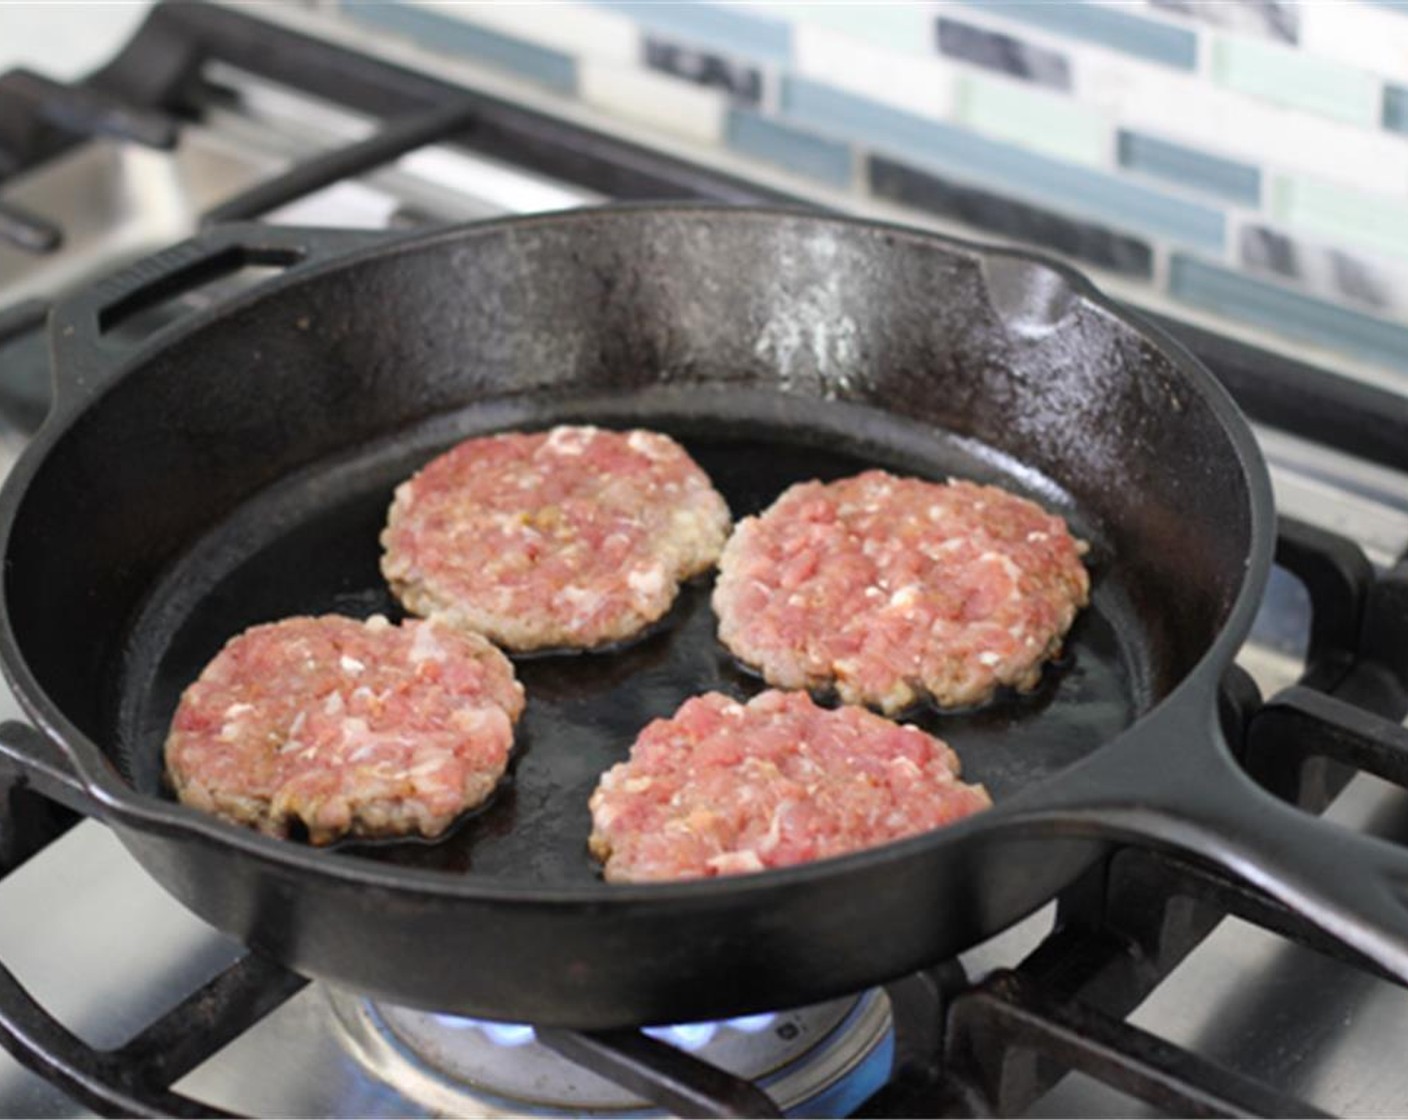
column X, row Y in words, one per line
column 961, row 1048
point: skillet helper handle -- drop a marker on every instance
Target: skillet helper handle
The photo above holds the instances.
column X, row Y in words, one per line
column 83, row 328
column 1348, row 885
column 39, row 764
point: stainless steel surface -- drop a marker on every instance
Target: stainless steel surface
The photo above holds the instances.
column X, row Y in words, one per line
column 116, row 202
column 100, row 945
column 1363, row 501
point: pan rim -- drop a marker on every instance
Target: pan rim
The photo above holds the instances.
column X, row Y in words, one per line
column 126, row 807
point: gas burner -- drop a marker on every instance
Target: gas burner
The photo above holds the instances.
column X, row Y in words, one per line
column 820, row 1060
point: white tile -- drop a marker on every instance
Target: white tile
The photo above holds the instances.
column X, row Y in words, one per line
column 906, row 27
column 670, row 104
column 1034, row 118
column 1358, row 35
column 915, row 84
column 575, row 29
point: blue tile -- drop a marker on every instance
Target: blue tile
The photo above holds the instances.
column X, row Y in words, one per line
column 1266, row 304
column 1237, row 182
column 968, row 157
column 446, row 34
column 712, row 26
column 1395, row 116
column 1109, row 27
column 802, row 152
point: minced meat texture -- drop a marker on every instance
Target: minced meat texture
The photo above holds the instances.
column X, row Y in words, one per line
column 724, row 788
column 890, row 590
column 352, row 728
column 574, row 537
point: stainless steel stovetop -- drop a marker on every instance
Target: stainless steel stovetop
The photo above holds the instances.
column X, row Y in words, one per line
column 107, row 951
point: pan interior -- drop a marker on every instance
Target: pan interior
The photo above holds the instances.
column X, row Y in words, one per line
column 309, row 545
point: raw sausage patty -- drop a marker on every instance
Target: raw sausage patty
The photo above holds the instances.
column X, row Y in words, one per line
column 573, row 537
column 353, row 728
column 894, row 589
column 723, row 788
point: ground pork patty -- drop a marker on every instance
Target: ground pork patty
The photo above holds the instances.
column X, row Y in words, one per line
column 572, row 537
column 354, row 728
column 723, row 788
column 895, row 589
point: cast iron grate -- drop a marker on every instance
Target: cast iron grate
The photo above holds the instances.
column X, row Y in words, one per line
column 961, row 1048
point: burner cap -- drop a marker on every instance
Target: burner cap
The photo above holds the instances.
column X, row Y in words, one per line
column 827, row 1058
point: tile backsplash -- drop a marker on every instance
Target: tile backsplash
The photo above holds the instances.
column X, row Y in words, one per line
column 1248, row 157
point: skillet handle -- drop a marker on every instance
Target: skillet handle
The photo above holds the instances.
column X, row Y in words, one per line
column 1180, row 788
column 41, row 765
column 83, row 329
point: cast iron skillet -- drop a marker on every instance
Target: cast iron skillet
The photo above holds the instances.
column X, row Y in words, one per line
column 237, row 466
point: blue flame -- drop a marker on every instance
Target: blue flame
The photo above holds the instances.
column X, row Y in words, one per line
column 508, row 1034
column 501, row 1034
column 751, row 1024
column 455, row 1022
column 687, row 1036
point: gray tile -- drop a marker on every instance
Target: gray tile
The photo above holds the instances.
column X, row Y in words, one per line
column 1109, row 27
column 446, row 34
column 964, row 156
column 711, row 27
column 1287, row 312
column 1267, row 250
column 1004, row 53
column 1189, row 167
column 987, row 210
column 1325, row 270
column 803, row 152
column 1273, row 19
column 1395, row 117
column 741, row 81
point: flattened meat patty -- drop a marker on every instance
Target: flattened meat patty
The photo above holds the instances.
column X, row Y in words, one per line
column 723, row 788
column 572, row 537
column 894, row 589
column 354, row 728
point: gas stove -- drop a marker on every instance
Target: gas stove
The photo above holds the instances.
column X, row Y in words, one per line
column 1154, row 986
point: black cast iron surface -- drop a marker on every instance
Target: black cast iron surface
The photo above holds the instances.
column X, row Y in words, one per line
column 235, row 467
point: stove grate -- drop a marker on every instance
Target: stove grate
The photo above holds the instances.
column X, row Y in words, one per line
column 659, row 1072
column 961, row 1048
column 135, row 1078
